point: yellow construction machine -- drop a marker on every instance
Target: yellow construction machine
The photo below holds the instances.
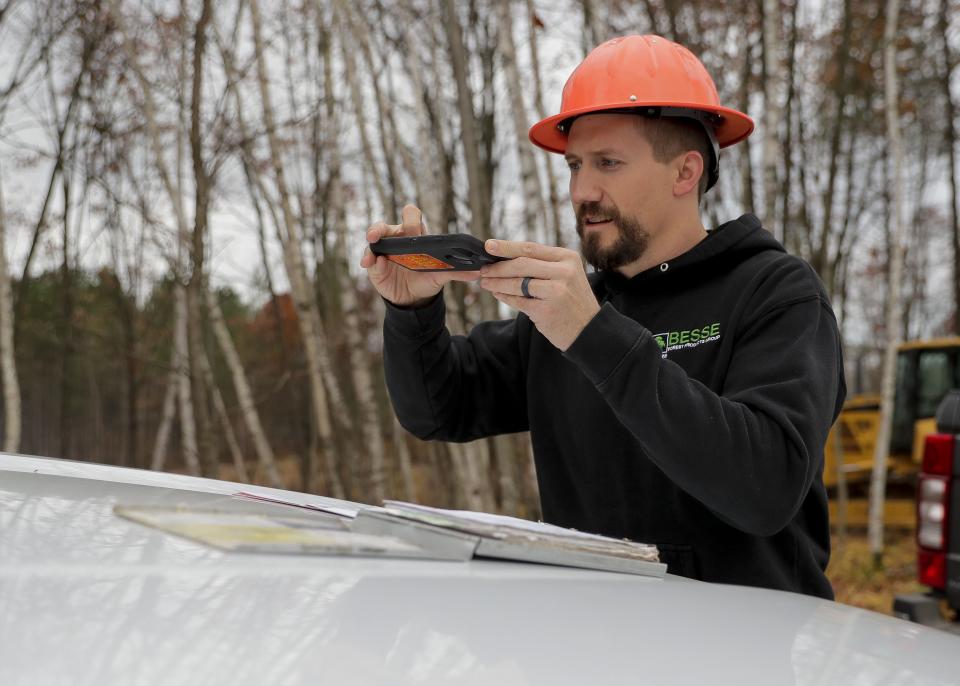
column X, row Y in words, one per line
column 926, row 370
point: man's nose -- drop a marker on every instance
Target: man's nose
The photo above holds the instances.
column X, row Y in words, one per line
column 583, row 188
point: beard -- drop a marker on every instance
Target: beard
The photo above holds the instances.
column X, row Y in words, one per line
column 630, row 244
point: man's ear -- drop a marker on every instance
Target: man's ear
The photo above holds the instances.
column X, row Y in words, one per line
column 689, row 167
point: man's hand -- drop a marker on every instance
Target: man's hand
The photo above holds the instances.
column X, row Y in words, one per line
column 562, row 303
column 402, row 286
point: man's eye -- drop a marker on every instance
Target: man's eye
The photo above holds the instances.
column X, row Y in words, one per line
column 574, row 166
column 608, row 163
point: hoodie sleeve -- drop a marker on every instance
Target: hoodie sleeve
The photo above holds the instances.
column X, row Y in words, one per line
column 454, row 388
column 750, row 452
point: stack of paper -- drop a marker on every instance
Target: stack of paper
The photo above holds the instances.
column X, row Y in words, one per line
column 508, row 538
column 304, row 502
column 255, row 533
column 399, row 529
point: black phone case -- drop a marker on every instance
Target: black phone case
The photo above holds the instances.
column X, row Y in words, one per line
column 437, row 253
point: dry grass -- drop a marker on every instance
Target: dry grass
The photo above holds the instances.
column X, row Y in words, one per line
column 857, row 582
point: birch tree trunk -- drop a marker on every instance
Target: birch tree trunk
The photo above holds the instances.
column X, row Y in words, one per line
column 593, row 32
column 360, row 366
column 159, row 454
column 818, row 258
column 248, row 408
column 181, row 343
column 746, row 166
column 470, row 461
column 187, row 427
column 308, row 321
column 385, row 119
column 356, row 98
column 65, row 327
column 63, row 129
column 12, row 418
column 431, row 201
column 442, row 124
column 787, row 235
column 126, row 311
column 878, row 481
column 534, row 209
column 307, row 315
column 472, row 488
column 195, row 294
column 477, row 137
column 771, row 101
column 509, row 458
column 363, row 381
column 149, row 108
column 414, row 171
column 405, row 462
column 531, row 486
column 220, row 408
column 466, row 462
column 477, row 180
column 541, row 111
column 950, row 132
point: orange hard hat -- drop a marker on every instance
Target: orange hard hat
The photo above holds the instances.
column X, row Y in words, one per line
column 648, row 74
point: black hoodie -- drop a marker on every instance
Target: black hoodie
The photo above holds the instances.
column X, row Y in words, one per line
column 691, row 412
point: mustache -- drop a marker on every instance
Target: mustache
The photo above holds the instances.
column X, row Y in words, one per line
column 595, row 208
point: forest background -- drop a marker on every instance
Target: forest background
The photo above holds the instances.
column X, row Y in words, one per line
column 185, row 186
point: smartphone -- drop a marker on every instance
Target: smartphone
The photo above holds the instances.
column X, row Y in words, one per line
column 436, row 253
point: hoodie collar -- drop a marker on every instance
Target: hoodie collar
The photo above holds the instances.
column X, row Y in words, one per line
column 731, row 240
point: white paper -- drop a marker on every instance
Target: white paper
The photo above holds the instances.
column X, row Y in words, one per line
column 305, row 502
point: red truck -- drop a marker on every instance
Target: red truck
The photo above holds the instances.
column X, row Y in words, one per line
column 938, row 525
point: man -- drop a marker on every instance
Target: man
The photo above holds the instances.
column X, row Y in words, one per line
column 679, row 395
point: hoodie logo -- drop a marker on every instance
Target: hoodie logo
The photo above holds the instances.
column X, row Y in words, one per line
column 688, row 338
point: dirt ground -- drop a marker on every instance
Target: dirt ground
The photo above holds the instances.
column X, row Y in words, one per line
column 856, row 582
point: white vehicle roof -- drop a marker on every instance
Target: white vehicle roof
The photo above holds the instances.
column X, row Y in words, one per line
column 89, row 598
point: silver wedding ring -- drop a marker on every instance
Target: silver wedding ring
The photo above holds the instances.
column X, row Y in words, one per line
column 525, row 287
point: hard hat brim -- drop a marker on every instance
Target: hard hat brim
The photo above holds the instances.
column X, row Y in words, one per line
column 734, row 126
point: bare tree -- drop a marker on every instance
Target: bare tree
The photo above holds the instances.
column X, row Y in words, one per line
column 220, row 407
column 188, row 430
column 342, row 14
column 534, row 209
column 196, row 286
column 170, row 182
column 950, row 135
column 168, row 414
column 317, row 351
column 878, row 480
column 791, row 76
column 248, row 408
column 819, row 251
column 746, row 168
column 478, row 179
column 404, row 460
column 430, row 197
column 533, row 24
column 64, row 128
column 11, row 384
column 773, row 77
column 593, row 31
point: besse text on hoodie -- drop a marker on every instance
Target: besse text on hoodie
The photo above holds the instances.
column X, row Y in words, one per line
column 691, row 412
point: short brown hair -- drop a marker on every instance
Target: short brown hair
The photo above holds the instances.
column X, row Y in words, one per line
column 673, row 136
